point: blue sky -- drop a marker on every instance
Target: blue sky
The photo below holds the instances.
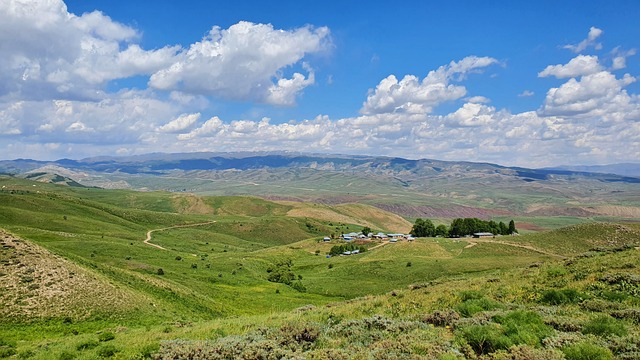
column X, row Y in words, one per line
column 516, row 83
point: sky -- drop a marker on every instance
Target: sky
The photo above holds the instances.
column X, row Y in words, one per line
column 534, row 84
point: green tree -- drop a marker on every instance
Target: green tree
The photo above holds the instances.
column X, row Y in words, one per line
column 366, row 231
column 504, row 230
column 441, row 230
column 423, row 228
column 512, row 227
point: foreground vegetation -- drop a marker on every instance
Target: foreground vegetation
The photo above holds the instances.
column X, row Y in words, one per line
column 250, row 279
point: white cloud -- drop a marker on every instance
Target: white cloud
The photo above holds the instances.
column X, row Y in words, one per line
column 410, row 95
column 526, row 93
column 593, row 35
column 182, row 122
column 578, row 66
column 241, row 63
column 48, row 53
column 620, row 58
column 54, row 103
column 209, row 128
column 595, row 94
column 479, row 100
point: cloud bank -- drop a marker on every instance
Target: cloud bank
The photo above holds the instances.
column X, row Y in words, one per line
column 56, row 68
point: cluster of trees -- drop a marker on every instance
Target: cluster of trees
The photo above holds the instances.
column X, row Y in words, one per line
column 339, row 249
column 281, row 272
column 461, row 227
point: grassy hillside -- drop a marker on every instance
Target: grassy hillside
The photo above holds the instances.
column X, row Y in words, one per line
column 79, row 281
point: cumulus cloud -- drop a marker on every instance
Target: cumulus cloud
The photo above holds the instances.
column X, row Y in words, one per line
column 410, row 95
column 182, row 122
column 242, row 62
column 48, row 53
column 595, row 94
column 578, row 66
column 54, row 101
column 594, row 34
column 122, row 118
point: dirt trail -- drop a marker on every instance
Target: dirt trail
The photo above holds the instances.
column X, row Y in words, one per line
column 148, row 239
column 475, row 242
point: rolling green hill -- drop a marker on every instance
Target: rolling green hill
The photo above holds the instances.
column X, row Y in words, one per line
column 79, row 280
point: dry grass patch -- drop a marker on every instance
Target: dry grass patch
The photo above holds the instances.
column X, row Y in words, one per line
column 191, row 204
column 38, row 284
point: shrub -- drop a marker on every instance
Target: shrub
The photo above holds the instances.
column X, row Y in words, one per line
column 470, row 295
column 298, row 286
column 514, row 328
column 85, row 345
column 526, row 352
column 106, row 336
column 524, row 327
column 25, row 354
column 441, row 318
column 586, row 351
column 630, row 314
column 605, row 326
column 66, row 355
column 160, row 271
column 107, row 351
column 6, row 351
column 560, row 297
column 470, row 307
column 485, row 339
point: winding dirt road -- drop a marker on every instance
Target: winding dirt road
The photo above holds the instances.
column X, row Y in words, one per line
column 148, row 239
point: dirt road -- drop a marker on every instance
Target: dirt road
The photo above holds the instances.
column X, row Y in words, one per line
column 148, row 239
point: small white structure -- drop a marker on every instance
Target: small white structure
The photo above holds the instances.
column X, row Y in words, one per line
column 393, row 240
column 326, row 238
column 482, row 235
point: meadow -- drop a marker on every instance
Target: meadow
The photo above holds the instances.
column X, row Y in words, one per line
column 78, row 281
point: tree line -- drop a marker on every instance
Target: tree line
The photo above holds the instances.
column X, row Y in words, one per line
column 461, row 227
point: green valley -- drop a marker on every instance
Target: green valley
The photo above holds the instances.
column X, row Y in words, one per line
column 95, row 273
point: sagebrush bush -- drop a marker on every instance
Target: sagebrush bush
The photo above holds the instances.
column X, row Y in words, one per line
column 441, row 318
column 526, row 352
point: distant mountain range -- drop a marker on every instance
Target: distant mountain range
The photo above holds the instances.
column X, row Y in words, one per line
column 624, row 169
column 162, row 164
column 411, row 188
